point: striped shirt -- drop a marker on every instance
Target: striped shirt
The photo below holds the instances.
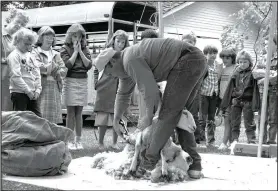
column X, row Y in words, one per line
column 210, row 83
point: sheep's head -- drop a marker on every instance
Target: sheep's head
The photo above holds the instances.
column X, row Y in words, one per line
column 187, row 121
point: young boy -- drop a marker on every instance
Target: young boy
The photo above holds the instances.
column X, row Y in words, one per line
column 25, row 80
column 228, row 56
column 243, row 93
column 209, row 95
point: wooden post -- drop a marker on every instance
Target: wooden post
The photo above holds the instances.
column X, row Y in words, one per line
column 160, row 19
column 266, row 81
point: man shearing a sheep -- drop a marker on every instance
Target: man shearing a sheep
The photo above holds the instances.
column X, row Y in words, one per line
column 154, row 60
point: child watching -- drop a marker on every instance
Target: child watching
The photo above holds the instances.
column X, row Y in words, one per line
column 77, row 58
column 106, row 88
column 25, row 80
column 228, row 56
column 243, row 93
column 209, row 95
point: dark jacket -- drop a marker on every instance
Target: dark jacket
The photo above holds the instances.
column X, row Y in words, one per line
column 244, row 87
column 78, row 70
column 106, row 88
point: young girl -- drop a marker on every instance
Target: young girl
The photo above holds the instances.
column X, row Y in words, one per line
column 228, row 57
column 106, row 87
column 25, row 80
column 52, row 70
column 77, row 59
column 243, row 95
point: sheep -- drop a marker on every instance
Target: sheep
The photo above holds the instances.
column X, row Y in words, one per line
column 172, row 166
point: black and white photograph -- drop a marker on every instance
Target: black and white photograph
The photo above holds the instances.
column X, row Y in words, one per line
column 139, row 95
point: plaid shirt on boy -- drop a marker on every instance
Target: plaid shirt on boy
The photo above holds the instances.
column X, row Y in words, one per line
column 210, row 83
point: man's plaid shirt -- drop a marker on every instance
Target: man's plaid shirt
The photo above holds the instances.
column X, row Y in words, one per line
column 210, row 83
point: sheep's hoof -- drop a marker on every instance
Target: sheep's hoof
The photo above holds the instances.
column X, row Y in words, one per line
column 165, row 178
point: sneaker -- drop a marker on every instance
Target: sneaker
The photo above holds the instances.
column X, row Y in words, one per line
column 195, row 174
column 78, row 145
column 145, row 163
column 72, row 146
column 232, row 147
column 223, row 147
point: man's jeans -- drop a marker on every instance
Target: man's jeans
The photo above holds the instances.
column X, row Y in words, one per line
column 207, row 114
column 271, row 119
column 180, row 91
column 237, row 108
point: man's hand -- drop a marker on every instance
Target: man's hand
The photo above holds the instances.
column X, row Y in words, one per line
column 119, row 129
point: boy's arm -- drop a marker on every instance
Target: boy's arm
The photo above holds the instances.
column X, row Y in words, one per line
column 14, row 62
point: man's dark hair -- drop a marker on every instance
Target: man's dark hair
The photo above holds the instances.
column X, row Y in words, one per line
column 149, row 33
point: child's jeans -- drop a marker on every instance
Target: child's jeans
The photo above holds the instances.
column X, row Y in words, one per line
column 207, row 114
column 270, row 119
column 237, row 109
column 21, row 102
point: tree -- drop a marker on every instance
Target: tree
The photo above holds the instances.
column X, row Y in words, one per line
column 6, row 5
column 257, row 13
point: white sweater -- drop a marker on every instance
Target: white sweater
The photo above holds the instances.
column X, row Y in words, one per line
column 24, row 74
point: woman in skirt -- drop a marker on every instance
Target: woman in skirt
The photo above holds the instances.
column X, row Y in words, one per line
column 53, row 70
column 77, row 59
column 106, row 88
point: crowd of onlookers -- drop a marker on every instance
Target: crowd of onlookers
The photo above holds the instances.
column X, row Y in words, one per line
column 38, row 78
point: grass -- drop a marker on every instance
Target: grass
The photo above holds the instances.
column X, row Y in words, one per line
column 90, row 143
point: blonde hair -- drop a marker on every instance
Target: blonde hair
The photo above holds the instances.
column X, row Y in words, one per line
column 121, row 34
column 19, row 16
column 45, row 30
column 246, row 55
column 74, row 29
column 24, row 34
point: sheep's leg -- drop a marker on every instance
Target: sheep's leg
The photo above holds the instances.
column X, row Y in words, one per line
column 138, row 145
column 164, row 165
